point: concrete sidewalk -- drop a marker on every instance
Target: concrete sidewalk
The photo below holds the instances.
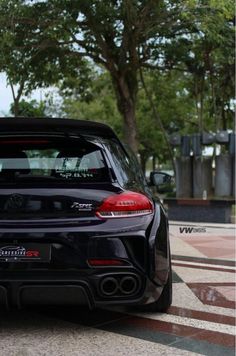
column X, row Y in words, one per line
column 185, row 223
column 201, row 320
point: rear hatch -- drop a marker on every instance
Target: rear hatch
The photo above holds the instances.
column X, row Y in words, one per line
column 51, row 177
column 50, row 189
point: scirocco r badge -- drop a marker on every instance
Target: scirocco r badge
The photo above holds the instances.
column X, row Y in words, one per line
column 81, row 206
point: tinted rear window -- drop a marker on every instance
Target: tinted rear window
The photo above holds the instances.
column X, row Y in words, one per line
column 51, row 159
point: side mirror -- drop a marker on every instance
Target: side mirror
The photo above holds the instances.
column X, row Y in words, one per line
column 162, row 181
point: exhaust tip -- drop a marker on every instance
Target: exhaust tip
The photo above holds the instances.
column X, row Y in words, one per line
column 109, row 286
column 128, row 285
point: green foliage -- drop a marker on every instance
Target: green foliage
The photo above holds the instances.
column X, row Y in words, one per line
column 97, row 103
column 30, row 56
column 51, row 38
column 30, row 109
column 175, row 107
column 173, row 102
column 185, row 49
column 208, row 55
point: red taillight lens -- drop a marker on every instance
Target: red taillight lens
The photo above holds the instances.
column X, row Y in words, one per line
column 127, row 204
column 106, row 262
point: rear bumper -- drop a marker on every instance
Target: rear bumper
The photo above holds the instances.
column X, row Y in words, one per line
column 68, row 278
column 75, row 289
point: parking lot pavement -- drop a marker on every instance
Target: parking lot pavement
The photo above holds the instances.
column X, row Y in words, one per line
column 200, row 321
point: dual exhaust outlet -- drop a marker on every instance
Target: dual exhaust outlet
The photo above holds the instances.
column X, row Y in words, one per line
column 123, row 286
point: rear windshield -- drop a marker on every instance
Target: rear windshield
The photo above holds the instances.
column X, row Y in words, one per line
column 72, row 160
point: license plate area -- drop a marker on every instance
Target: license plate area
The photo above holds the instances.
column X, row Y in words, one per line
column 25, row 252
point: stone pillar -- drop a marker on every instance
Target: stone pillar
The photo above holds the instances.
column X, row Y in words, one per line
column 224, row 176
column 202, row 177
column 183, row 177
column 233, row 177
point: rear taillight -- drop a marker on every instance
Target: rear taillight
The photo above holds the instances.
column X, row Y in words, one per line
column 127, row 204
column 106, row 262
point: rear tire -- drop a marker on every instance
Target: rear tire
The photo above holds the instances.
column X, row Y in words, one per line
column 165, row 299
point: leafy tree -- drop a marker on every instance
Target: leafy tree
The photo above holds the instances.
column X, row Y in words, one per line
column 208, row 56
column 119, row 35
column 51, row 39
column 30, row 109
column 28, row 56
column 97, row 102
column 169, row 95
column 175, row 107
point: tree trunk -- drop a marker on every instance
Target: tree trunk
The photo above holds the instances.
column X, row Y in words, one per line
column 16, row 98
column 126, row 91
column 16, row 107
column 130, row 128
column 200, row 124
column 143, row 162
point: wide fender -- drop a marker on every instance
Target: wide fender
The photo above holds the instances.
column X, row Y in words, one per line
column 159, row 247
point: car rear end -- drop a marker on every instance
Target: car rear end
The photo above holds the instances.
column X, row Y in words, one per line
column 69, row 232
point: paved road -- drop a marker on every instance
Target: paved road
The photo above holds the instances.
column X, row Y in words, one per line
column 200, row 321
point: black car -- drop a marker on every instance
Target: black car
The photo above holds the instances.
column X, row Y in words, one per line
column 79, row 224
